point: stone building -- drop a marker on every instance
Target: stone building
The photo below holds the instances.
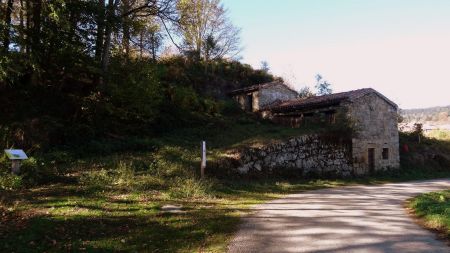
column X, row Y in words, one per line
column 257, row 97
column 372, row 116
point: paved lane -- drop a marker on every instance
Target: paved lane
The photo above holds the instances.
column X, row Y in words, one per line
column 347, row 219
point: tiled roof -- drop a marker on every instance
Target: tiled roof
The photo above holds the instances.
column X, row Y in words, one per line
column 325, row 100
column 257, row 87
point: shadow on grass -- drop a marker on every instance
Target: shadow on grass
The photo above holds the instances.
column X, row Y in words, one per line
column 154, row 233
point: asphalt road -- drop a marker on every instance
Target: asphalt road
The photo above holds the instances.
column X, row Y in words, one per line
column 347, row 219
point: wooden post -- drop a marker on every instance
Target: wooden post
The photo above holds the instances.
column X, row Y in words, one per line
column 203, row 163
column 15, row 167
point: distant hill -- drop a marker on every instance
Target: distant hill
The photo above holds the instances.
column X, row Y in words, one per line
column 439, row 114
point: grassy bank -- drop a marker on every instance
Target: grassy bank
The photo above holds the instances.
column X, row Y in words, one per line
column 110, row 196
column 434, row 211
column 111, row 200
column 64, row 217
column 122, row 215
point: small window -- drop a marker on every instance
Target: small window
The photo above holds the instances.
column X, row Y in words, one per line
column 385, row 153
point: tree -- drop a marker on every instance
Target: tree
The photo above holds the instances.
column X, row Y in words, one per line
column 7, row 25
column 206, row 31
column 265, row 66
column 322, row 86
column 418, row 130
column 305, row 92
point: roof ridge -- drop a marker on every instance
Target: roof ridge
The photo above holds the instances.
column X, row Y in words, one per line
column 260, row 85
column 334, row 98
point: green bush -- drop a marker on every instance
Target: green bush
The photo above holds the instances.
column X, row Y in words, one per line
column 136, row 92
column 38, row 171
column 230, row 108
column 10, row 181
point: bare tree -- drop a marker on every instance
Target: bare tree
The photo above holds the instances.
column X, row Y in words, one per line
column 206, row 30
column 165, row 10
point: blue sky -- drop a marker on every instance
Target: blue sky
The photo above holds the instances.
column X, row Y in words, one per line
column 399, row 47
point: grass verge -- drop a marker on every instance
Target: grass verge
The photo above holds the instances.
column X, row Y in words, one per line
column 433, row 209
column 115, row 202
column 86, row 218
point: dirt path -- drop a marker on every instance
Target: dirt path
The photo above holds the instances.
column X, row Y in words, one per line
column 347, row 219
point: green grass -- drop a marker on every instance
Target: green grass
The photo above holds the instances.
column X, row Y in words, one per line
column 72, row 217
column 82, row 218
column 113, row 202
column 434, row 209
column 439, row 134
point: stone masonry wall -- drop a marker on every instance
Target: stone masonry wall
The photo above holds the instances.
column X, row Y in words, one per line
column 271, row 94
column 265, row 96
column 305, row 155
column 375, row 125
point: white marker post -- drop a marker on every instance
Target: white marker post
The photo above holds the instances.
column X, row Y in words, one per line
column 203, row 163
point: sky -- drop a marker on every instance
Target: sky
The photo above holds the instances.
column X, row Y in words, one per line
column 401, row 48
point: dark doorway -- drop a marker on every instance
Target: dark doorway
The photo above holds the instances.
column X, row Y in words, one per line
column 371, row 160
column 249, row 103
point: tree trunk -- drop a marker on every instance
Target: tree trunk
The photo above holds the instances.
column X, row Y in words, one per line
column 126, row 28
column 27, row 26
column 108, row 33
column 36, row 30
column 73, row 18
column 100, row 30
column 141, row 44
column 21, row 29
column 6, row 34
column 153, row 40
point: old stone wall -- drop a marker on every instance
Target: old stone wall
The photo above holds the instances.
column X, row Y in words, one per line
column 375, row 127
column 271, row 94
column 305, row 155
column 264, row 96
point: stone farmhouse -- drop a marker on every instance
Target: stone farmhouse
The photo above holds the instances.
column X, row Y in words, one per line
column 257, row 97
column 373, row 118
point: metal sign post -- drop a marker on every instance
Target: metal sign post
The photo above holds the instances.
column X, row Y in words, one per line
column 203, row 163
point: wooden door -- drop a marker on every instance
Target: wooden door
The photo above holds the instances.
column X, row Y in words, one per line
column 249, row 103
column 371, row 155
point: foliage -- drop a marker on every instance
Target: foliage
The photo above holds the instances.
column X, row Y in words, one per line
column 10, row 181
column 206, row 30
column 322, row 86
column 305, row 92
column 431, row 155
column 433, row 209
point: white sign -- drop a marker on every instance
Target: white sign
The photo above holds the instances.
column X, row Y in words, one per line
column 16, row 154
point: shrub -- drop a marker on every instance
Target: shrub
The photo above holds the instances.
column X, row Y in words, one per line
column 190, row 188
column 10, row 181
column 135, row 91
column 38, row 171
column 230, row 108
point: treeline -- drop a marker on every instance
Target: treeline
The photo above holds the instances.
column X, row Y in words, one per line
column 433, row 114
column 72, row 71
